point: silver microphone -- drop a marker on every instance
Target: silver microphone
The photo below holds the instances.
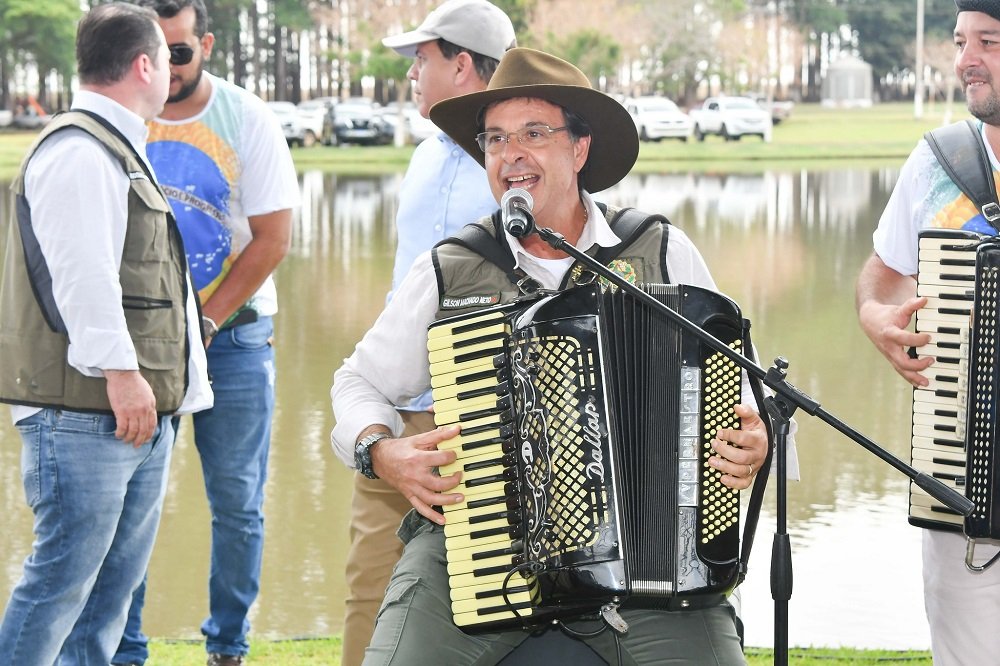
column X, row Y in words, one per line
column 515, row 208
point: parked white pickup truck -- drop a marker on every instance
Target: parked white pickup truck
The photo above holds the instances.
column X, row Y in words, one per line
column 731, row 118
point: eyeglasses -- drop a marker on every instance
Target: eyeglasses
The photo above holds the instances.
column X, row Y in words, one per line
column 533, row 136
column 180, row 54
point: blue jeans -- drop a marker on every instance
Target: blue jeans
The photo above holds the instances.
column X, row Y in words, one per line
column 97, row 503
column 233, row 439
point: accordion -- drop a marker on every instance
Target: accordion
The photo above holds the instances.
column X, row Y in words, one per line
column 954, row 433
column 587, row 419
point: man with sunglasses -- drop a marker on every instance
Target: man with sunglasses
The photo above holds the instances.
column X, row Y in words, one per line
column 101, row 347
column 222, row 159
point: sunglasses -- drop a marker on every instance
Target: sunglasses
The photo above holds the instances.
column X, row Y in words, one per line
column 180, row 54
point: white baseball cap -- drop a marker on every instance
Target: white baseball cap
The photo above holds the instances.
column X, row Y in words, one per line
column 476, row 25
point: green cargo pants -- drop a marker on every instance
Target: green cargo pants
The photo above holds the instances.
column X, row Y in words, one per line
column 414, row 624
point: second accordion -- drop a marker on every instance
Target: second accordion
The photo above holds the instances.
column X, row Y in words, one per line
column 587, row 419
column 954, row 431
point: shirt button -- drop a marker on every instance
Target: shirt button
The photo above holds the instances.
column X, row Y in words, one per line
column 454, row 153
column 444, row 190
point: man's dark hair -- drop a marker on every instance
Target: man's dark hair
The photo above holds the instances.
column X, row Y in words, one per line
column 578, row 127
column 171, row 8
column 485, row 65
column 110, row 37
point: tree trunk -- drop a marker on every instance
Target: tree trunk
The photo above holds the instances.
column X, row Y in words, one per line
column 259, row 54
column 239, row 59
column 280, row 65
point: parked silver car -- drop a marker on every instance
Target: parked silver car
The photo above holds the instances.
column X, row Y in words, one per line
column 291, row 124
column 731, row 118
column 312, row 113
column 658, row 118
column 417, row 127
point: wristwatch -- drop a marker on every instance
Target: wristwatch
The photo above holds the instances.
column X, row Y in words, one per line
column 208, row 327
column 363, row 456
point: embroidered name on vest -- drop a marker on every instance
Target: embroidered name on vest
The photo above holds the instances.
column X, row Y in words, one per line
column 448, row 303
column 137, row 175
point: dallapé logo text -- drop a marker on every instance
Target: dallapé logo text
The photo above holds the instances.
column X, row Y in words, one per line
column 592, row 435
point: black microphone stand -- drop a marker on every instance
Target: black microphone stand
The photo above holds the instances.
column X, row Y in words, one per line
column 780, row 408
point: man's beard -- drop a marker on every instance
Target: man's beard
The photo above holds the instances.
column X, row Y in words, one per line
column 187, row 89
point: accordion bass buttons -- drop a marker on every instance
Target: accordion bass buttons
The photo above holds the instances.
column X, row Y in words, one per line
column 687, row 463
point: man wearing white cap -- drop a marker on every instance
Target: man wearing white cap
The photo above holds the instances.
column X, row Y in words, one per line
column 455, row 51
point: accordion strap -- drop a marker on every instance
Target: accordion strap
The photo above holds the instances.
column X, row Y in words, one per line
column 627, row 224
column 760, row 482
column 478, row 239
column 960, row 151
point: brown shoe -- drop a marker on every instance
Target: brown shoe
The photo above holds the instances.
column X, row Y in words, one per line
column 216, row 659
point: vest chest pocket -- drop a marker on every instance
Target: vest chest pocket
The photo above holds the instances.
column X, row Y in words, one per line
column 147, row 238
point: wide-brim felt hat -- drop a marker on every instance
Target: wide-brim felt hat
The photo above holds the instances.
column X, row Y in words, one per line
column 524, row 72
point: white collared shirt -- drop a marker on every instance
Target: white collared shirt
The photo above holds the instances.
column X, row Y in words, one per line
column 78, row 195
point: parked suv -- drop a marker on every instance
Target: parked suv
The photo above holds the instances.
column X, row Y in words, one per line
column 311, row 114
column 658, row 118
column 731, row 118
column 291, row 124
column 357, row 120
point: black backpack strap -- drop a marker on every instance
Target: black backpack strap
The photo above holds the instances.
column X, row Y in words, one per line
column 760, row 482
column 490, row 246
column 961, row 153
column 628, row 224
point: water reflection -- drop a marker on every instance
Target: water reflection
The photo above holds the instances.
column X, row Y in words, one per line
column 785, row 245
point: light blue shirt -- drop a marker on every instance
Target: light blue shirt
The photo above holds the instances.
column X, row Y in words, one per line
column 443, row 190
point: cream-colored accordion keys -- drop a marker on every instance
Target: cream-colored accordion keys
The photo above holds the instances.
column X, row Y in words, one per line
column 954, row 428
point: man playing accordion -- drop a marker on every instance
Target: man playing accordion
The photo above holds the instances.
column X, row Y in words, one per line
column 541, row 127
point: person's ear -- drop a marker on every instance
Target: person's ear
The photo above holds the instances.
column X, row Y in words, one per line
column 207, row 42
column 464, row 68
column 581, row 151
column 143, row 66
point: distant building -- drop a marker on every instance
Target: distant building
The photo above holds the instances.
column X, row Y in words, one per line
column 848, row 83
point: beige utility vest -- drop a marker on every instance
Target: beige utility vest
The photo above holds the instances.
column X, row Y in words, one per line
column 33, row 339
column 468, row 281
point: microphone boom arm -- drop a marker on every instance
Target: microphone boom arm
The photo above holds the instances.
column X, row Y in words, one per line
column 789, row 397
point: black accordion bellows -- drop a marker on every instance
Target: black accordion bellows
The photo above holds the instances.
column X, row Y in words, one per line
column 587, row 419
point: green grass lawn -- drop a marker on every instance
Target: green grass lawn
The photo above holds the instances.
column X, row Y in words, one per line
column 814, row 137
column 326, row 652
